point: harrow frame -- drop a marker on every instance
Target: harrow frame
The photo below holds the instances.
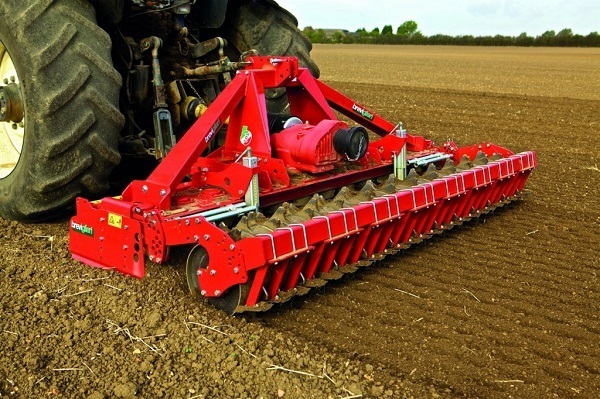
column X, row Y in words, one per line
column 187, row 194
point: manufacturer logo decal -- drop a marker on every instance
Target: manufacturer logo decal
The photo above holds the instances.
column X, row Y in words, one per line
column 246, row 136
column 213, row 130
column 82, row 228
column 363, row 112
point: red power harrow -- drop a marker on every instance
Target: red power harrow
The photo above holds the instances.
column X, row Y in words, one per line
column 282, row 203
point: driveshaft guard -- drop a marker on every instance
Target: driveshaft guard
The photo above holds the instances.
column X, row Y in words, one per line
column 105, row 239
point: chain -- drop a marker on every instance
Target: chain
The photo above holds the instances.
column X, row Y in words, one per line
column 193, row 89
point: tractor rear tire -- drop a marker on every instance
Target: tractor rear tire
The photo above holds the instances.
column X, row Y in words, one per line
column 271, row 30
column 70, row 92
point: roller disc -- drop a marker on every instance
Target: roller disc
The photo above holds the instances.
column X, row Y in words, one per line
column 197, row 260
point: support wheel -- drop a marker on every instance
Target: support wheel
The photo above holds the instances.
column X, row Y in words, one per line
column 229, row 301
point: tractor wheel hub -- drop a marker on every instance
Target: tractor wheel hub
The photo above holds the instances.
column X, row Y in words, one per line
column 11, row 104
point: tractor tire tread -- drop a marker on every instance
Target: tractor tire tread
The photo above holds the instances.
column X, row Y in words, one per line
column 72, row 116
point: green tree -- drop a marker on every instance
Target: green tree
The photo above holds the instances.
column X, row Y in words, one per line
column 546, row 39
column 407, row 29
column 375, row 32
column 565, row 33
column 337, row 37
column 319, row 36
column 309, row 32
column 524, row 40
column 387, row 30
column 418, row 38
column 348, row 39
column 592, row 40
column 563, row 38
column 362, row 36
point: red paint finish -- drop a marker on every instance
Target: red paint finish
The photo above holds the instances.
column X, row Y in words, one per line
column 167, row 208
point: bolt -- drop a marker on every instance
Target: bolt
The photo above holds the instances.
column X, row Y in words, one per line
column 196, row 238
column 236, row 270
column 217, row 293
column 125, row 227
column 158, row 260
column 199, row 273
column 206, row 237
column 203, row 293
column 197, row 221
column 102, row 220
column 151, row 257
column 232, row 247
column 21, row 124
column 125, row 247
column 240, row 192
column 187, row 222
column 15, row 126
column 137, row 210
column 163, row 192
column 213, row 272
column 101, row 239
column 144, row 188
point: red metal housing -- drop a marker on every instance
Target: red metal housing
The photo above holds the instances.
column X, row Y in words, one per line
column 173, row 206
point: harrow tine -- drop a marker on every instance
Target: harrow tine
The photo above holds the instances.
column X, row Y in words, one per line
column 281, row 215
column 315, row 283
column 447, row 169
column 464, row 164
column 299, row 215
column 387, row 187
column 367, row 193
column 331, row 275
column 480, row 159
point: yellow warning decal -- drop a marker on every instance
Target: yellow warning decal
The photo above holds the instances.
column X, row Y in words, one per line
column 115, row 220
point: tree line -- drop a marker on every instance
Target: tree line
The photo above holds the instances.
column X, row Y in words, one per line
column 408, row 33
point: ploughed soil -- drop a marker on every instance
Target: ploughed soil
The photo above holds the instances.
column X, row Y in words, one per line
column 504, row 306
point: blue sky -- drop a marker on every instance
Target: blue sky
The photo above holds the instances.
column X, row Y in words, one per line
column 458, row 17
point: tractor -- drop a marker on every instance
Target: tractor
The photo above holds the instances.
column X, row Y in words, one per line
column 208, row 118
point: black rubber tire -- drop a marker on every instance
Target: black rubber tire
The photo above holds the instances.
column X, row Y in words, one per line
column 71, row 89
column 271, row 30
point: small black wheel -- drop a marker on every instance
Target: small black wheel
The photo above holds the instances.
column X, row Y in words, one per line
column 197, row 260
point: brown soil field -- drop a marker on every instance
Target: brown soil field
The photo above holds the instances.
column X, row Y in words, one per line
column 504, row 306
